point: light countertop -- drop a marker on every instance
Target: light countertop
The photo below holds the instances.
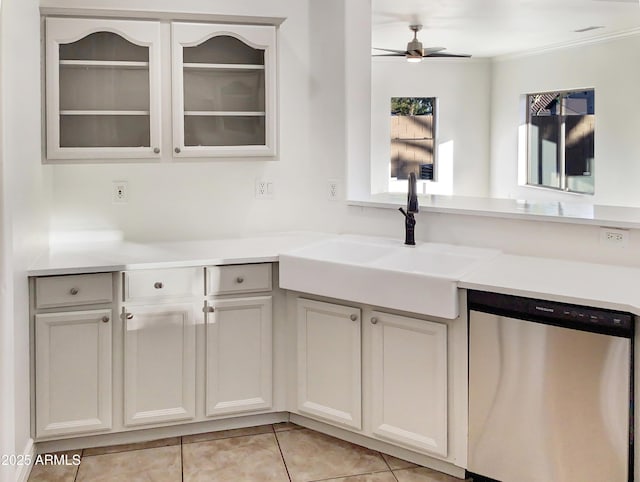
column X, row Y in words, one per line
column 580, row 283
column 105, row 256
column 589, row 284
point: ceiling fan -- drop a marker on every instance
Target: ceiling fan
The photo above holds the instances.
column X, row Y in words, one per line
column 415, row 52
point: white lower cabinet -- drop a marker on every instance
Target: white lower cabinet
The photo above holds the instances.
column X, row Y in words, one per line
column 329, row 362
column 238, row 366
column 405, row 367
column 159, row 363
column 73, row 372
column 409, row 381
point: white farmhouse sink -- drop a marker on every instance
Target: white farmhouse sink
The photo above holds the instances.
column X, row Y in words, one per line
column 382, row 272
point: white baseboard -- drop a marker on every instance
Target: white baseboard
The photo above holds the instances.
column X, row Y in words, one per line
column 23, row 471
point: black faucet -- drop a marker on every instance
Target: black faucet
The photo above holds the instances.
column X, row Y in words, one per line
column 412, row 208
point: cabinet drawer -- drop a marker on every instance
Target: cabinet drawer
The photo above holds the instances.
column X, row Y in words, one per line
column 239, row 278
column 153, row 284
column 85, row 289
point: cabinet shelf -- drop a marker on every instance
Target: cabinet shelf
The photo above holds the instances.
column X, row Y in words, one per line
column 202, row 66
column 107, row 64
column 224, row 113
column 104, row 112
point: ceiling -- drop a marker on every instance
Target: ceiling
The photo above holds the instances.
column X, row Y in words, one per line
column 488, row 28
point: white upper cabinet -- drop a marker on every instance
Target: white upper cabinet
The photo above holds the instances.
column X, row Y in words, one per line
column 224, row 90
column 102, row 88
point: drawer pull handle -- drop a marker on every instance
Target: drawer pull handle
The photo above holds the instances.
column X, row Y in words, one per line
column 158, row 285
column 239, row 280
column 105, row 319
column 374, row 320
column 354, row 317
column 74, row 291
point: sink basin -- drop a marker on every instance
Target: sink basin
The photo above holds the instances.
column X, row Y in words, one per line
column 432, row 260
column 347, row 250
column 382, row 272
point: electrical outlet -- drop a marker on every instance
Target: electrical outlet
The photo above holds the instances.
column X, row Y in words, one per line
column 614, row 237
column 265, row 189
column 120, row 192
column 333, row 189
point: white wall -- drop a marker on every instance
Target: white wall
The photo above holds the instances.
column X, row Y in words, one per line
column 462, row 89
column 25, row 195
column 194, row 200
column 612, row 68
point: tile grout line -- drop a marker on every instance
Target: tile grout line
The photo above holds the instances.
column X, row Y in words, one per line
column 181, row 461
column 275, row 434
column 390, row 469
column 355, row 475
column 75, row 476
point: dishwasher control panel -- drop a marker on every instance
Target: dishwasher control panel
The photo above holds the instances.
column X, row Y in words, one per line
column 556, row 313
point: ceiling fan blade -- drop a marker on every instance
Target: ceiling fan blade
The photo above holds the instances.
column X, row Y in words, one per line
column 400, row 52
column 436, row 54
column 433, row 50
column 388, row 55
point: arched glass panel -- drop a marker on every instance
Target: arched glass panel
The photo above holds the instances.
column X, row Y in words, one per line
column 224, row 93
column 104, row 92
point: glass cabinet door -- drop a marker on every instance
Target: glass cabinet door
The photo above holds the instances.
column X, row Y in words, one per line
column 103, row 89
column 223, row 90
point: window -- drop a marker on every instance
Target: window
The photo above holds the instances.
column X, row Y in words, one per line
column 412, row 137
column 560, row 132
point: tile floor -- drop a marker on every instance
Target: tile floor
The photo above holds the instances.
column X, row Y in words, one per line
column 280, row 452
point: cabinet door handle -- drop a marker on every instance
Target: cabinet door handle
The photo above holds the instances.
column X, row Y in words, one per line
column 177, row 150
column 239, row 280
column 74, row 291
column 208, row 309
column 156, row 150
column 129, row 316
column 374, row 320
column 105, row 319
column 158, row 285
column 354, row 317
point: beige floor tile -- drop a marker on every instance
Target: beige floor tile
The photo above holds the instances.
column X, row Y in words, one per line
column 112, row 449
column 282, row 426
column 254, row 458
column 423, row 474
column 62, row 469
column 314, row 456
column 161, row 464
column 396, row 463
column 238, row 432
column 375, row 477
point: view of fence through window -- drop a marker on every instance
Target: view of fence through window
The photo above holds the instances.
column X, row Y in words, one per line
column 412, row 137
column 561, row 128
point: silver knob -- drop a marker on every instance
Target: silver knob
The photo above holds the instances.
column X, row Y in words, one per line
column 353, row 317
column 105, row 319
column 74, row 291
column 156, row 150
column 158, row 285
column 129, row 316
column 239, row 279
column 374, row 320
column 177, row 149
column 208, row 309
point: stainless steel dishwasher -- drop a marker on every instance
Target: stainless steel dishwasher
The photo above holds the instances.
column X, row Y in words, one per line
column 550, row 391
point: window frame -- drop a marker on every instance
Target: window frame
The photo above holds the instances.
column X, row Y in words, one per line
column 395, row 185
column 561, row 145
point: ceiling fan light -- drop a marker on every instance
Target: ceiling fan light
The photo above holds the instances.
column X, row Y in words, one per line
column 414, row 58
